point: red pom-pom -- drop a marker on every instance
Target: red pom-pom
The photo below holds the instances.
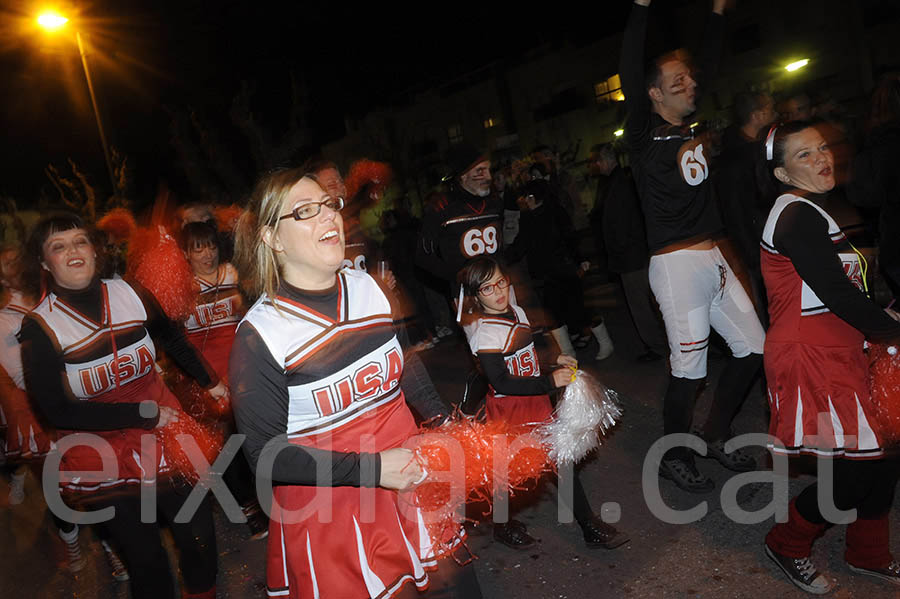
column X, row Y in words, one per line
column 119, row 224
column 227, row 217
column 363, row 172
column 176, row 450
column 156, row 262
column 884, row 384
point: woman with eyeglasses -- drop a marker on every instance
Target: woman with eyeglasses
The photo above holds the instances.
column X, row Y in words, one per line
column 816, row 367
column 315, row 371
column 499, row 336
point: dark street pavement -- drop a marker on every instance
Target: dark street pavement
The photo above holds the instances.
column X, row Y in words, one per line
column 714, row 557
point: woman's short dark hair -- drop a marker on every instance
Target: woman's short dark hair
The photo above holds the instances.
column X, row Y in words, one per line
column 198, row 235
column 773, row 157
column 32, row 275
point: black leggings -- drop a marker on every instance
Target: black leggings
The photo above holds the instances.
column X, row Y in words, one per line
column 866, row 485
column 143, row 552
column 580, row 505
column 449, row 581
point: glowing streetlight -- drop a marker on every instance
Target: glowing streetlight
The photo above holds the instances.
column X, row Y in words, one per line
column 52, row 21
column 797, row 65
column 619, row 132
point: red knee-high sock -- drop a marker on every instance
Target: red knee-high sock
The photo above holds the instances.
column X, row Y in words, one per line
column 868, row 544
column 210, row 594
column 795, row 537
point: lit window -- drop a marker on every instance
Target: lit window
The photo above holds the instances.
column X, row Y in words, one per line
column 454, row 134
column 609, row 90
column 490, row 122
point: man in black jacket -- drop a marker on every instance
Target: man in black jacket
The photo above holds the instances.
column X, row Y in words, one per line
column 617, row 220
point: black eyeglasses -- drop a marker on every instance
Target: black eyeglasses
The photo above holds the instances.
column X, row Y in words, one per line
column 489, row 289
column 311, row 209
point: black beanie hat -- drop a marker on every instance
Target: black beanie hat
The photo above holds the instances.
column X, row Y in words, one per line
column 461, row 158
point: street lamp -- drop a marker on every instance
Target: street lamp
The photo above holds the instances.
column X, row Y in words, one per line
column 52, row 21
column 796, row 65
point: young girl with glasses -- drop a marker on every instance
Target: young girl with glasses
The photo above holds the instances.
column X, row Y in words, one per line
column 499, row 336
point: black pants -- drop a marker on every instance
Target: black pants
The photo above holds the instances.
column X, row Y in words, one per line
column 144, row 554
column 579, row 504
column 866, row 485
column 239, row 480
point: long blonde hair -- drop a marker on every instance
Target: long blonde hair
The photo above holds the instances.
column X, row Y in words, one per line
column 256, row 262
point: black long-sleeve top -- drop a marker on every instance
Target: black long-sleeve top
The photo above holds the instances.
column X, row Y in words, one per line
column 547, row 238
column 45, row 377
column 493, row 364
column 801, row 234
column 670, row 164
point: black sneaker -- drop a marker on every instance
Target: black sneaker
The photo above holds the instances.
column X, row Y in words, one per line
column 801, row 572
column 738, row 460
column 890, row 573
column 598, row 533
column 513, row 534
column 686, row 476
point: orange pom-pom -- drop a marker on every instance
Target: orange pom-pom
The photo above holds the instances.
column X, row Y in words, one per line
column 363, row 172
column 156, row 262
column 494, row 456
column 884, row 384
column 119, row 224
column 227, row 217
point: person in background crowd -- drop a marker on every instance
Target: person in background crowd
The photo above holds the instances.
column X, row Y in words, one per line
column 796, row 107
column 743, row 207
column 618, row 221
column 547, row 238
column 85, row 322
column 314, row 325
column 692, row 281
column 815, row 363
column 467, row 223
column 876, row 182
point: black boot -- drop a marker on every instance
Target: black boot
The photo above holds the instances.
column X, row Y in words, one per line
column 600, row 534
column 513, row 534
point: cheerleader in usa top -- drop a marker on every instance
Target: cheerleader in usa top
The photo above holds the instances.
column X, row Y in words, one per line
column 820, row 315
column 315, row 369
column 89, row 358
column 816, row 369
column 500, row 337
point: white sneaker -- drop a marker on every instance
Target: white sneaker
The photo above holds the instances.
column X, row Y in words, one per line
column 17, row 489
column 604, row 341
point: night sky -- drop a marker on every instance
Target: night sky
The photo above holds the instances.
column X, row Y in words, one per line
column 153, row 58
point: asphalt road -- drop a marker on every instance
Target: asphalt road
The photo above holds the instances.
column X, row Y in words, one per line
column 713, row 557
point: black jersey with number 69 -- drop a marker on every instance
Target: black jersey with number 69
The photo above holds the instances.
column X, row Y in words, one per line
column 466, row 227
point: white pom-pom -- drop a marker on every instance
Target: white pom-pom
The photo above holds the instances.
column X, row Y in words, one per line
column 587, row 410
column 892, row 350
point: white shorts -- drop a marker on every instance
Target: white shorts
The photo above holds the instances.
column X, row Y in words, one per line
column 696, row 289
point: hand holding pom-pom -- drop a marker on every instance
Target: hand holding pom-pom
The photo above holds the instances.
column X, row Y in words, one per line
column 586, row 411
